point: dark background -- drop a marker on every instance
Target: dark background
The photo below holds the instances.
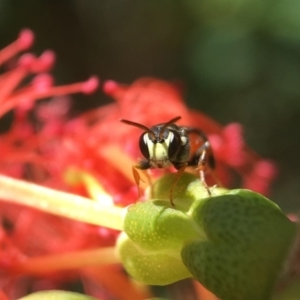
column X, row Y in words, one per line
column 238, row 59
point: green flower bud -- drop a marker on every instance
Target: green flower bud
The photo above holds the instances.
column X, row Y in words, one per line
column 234, row 242
column 160, row 267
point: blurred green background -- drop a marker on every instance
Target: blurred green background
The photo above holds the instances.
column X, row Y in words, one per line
column 239, row 60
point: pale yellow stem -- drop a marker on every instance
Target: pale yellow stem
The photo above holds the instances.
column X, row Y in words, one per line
column 67, row 261
column 61, row 203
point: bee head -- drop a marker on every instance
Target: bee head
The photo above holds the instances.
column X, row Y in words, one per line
column 158, row 143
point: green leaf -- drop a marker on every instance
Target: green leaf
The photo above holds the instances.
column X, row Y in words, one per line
column 291, row 292
column 248, row 237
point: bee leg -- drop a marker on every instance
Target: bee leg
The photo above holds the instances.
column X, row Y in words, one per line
column 142, row 165
column 181, row 168
column 137, row 179
column 202, row 168
column 205, row 161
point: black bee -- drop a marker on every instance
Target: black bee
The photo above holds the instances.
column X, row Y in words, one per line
column 168, row 144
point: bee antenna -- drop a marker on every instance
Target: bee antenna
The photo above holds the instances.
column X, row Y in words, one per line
column 138, row 125
column 167, row 124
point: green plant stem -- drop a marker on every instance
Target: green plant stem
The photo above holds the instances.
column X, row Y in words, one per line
column 60, row 203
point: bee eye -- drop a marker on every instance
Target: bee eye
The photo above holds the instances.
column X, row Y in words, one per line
column 174, row 144
column 143, row 143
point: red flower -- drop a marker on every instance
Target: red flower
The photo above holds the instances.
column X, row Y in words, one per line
column 150, row 101
column 21, row 143
column 72, row 155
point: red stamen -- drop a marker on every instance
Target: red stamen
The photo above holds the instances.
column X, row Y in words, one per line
column 266, row 169
column 41, row 88
column 24, row 41
column 86, row 87
column 262, row 174
column 112, row 88
column 42, row 82
column 233, row 135
column 90, row 85
column 11, row 79
column 44, row 63
column 26, row 61
column 28, row 94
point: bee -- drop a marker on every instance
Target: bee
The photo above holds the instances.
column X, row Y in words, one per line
column 167, row 144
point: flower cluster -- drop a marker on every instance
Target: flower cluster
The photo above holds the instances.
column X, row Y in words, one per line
column 90, row 155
